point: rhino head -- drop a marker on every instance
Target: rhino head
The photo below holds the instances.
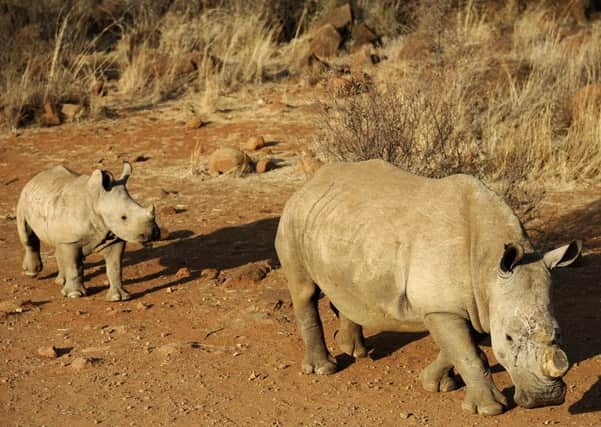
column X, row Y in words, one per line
column 524, row 334
column 121, row 214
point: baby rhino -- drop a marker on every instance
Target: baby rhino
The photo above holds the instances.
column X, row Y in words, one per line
column 394, row 251
column 78, row 215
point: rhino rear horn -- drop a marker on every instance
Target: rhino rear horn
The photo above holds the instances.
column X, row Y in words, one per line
column 512, row 255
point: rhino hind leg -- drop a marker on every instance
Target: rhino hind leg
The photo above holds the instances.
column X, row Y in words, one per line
column 438, row 376
column 453, row 335
column 71, row 260
column 304, row 294
column 349, row 337
column 32, row 261
column 60, row 276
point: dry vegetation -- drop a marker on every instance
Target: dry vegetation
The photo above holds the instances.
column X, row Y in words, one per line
column 482, row 87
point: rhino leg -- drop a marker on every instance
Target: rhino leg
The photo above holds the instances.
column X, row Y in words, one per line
column 349, row 337
column 452, row 334
column 113, row 255
column 32, row 262
column 60, row 276
column 438, row 376
column 71, row 259
column 304, row 294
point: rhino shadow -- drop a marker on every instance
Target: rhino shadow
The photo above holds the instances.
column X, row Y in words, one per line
column 384, row 344
column 590, row 401
column 222, row 249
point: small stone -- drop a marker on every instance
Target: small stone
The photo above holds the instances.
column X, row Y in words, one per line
column 254, row 143
column 264, row 165
column 405, row 415
column 83, row 362
column 226, row 159
column 195, row 123
column 50, row 115
column 49, row 352
column 182, row 273
column 253, row 376
column 209, row 273
column 143, row 305
column 170, row 289
column 168, row 210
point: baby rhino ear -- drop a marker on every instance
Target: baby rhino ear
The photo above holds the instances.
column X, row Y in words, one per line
column 563, row 256
column 100, row 180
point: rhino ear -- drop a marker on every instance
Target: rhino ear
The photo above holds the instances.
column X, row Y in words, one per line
column 100, row 180
column 563, row 256
column 126, row 172
column 513, row 253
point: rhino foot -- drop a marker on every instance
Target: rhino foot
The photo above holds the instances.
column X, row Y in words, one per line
column 73, row 291
column 484, row 400
column 60, row 280
column 319, row 367
column 32, row 264
column 117, row 294
column 350, row 344
column 438, row 382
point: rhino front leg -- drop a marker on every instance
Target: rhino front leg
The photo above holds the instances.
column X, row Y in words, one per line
column 452, row 334
column 32, row 262
column 71, row 260
column 113, row 256
column 438, row 376
column 349, row 337
column 304, row 296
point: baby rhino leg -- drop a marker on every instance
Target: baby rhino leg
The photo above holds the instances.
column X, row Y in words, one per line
column 349, row 337
column 32, row 262
column 71, row 260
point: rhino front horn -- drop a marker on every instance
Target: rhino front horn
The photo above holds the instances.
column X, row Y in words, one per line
column 555, row 363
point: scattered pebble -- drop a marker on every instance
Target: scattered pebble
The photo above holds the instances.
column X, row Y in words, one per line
column 182, row 273
column 254, row 143
column 49, row 352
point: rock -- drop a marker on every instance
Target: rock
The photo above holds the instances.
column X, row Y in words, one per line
column 264, row 165
column 224, row 160
column 308, row 163
column 254, row 143
column 363, row 56
column 251, row 272
column 71, row 112
column 338, row 18
column 586, row 104
column 209, row 273
column 168, row 210
column 195, row 123
column 50, row 115
column 183, row 272
column 143, row 305
column 325, row 41
column 362, row 35
column 49, row 352
column 84, row 362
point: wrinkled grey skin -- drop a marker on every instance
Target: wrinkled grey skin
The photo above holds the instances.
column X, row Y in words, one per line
column 393, row 251
column 78, row 215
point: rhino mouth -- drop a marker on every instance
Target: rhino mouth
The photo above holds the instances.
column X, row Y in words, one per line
column 554, row 394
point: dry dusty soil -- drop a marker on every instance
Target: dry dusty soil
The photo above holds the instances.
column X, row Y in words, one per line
column 209, row 337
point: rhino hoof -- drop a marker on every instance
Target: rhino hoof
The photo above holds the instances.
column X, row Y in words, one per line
column 325, row 367
column 117, row 295
column 59, row 280
column 74, row 293
column 30, row 273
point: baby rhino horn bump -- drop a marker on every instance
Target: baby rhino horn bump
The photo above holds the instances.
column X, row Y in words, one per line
column 555, row 363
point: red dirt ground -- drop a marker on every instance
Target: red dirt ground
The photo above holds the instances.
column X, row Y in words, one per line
column 191, row 350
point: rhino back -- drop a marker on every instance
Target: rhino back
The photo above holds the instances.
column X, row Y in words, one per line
column 386, row 245
column 54, row 203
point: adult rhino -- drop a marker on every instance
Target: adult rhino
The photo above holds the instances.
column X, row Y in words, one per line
column 78, row 215
column 398, row 252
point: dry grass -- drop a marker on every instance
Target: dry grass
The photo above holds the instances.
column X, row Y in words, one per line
column 478, row 102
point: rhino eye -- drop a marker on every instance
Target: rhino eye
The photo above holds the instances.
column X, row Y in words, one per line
column 124, row 217
column 509, row 338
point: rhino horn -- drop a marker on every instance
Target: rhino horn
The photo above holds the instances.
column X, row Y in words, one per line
column 555, row 363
